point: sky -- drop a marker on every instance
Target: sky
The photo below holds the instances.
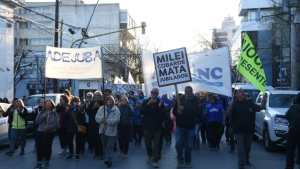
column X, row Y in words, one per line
column 176, row 23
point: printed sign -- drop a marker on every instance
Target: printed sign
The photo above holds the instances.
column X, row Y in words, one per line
column 69, row 63
column 250, row 65
column 210, row 71
column 172, row 67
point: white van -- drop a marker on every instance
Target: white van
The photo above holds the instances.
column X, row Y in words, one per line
column 271, row 124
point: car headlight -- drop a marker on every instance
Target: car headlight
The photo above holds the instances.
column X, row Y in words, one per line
column 281, row 121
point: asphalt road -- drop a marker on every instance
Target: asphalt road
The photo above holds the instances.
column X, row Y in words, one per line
column 202, row 159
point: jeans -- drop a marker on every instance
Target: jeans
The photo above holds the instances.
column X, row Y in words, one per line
column 244, row 141
column 292, row 146
column 17, row 136
column 184, row 141
column 44, row 142
column 109, row 143
column 153, row 144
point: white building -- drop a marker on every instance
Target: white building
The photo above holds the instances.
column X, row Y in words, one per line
column 7, row 48
column 36, row 32
column 222, row 37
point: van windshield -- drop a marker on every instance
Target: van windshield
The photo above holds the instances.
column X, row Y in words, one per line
column 33, row 101
column 281, row 100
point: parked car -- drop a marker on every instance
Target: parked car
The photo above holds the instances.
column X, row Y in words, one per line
column 271, row 124
column 3, row 124
column 33, row 101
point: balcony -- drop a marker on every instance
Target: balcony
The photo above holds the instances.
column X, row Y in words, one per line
column 257, row 4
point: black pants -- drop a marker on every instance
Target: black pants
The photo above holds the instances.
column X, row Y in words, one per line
column 44, row 145
column 70, row 142
column 95, row 140
column 292, row 145
column 124, row 138
column 137, row 134
column 62, row 138
column 203, row 130
column 153, row 142
column 215, row 132
column 80, row 142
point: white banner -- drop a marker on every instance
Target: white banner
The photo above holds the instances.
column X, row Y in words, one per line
column 210, row 72
column 69, row 63
column 172, row 67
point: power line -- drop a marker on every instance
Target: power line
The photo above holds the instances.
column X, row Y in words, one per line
column 47, row 17
column 84, row 32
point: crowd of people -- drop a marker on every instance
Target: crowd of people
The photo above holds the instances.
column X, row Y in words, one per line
column 103, row 123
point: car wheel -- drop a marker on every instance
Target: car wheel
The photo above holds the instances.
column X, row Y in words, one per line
column 268, row 144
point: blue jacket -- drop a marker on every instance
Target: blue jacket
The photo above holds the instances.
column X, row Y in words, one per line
column 214, row 112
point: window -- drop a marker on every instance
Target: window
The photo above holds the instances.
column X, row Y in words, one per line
column 281, row 100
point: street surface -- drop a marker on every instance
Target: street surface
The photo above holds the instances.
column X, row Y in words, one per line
column 202, row 159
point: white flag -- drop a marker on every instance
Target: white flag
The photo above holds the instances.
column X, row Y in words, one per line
column 130, row 79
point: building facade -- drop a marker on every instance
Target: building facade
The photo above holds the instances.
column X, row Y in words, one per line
column 222, row 37
column 270, row 32
column 7, row 48
column 37, row 31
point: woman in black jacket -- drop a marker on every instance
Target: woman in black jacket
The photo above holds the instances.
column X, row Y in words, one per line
column 125, row 125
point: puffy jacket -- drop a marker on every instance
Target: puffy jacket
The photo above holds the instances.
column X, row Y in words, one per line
column 108, row 120
column 47, row 121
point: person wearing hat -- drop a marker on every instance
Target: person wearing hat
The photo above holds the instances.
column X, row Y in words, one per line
column 47, row 123
column 293, row 136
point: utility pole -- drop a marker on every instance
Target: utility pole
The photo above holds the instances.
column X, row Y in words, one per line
column 61, row 33
column 56, row 34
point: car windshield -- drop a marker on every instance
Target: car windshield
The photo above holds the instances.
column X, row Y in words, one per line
column 252, row 94
column 32, row 101
column 281, row 100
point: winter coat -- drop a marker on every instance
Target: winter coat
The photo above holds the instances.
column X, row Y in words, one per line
column 243, row 115
column 10, row 113
column 108, row 120
column 126, row 115
column 187, row 119
column 47, row 121
column 293, row 116
column 153, row 115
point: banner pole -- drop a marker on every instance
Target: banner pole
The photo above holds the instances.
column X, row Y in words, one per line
column 103, row 82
